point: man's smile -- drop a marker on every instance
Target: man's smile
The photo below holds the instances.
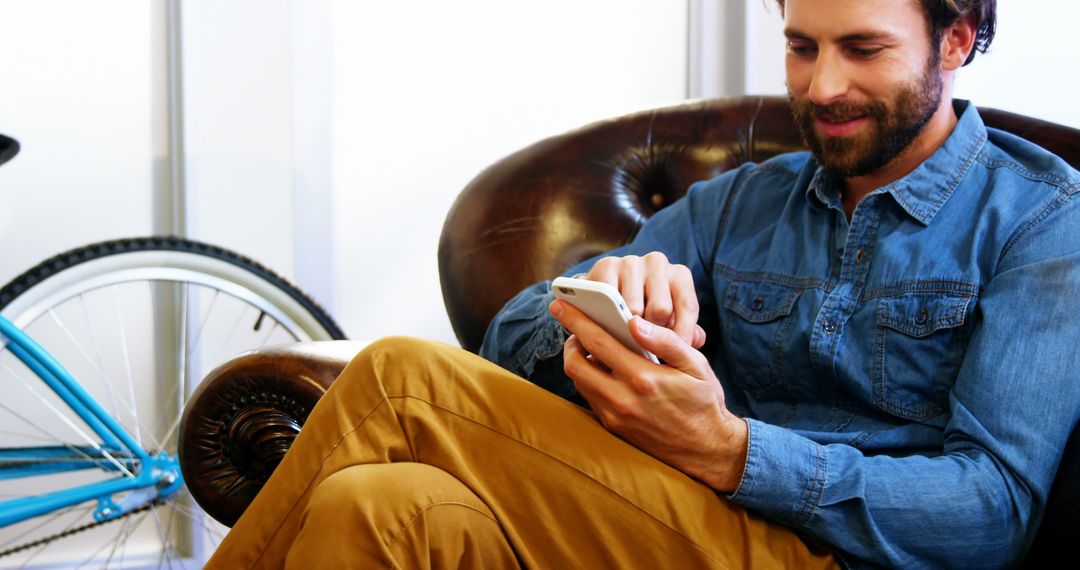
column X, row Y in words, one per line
column 838, row 127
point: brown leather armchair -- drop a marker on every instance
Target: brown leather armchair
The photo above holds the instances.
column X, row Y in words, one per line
column 527, row 218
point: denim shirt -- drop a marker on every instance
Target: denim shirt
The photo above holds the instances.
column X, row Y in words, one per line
column 909, row 377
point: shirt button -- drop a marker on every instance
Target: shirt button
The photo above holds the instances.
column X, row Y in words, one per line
column 922, row 317
column 830, row 326
column 858, row 255
column 758, row 303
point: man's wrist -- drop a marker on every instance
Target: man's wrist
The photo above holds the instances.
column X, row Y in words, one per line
column 731, row 461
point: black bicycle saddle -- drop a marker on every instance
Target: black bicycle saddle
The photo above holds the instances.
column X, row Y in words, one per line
column 9, row 147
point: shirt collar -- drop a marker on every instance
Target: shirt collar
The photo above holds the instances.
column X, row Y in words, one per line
column 924, row 190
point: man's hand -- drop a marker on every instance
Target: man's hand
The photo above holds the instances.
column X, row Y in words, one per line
column 655, row 289
column 675, row 412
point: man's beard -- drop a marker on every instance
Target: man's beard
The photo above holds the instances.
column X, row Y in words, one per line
column 892, row 130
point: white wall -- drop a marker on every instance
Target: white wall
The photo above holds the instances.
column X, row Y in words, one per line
column 1030, row 69
column 83, row 93
column 328, row 138
column 427, row 94
column 237, row 109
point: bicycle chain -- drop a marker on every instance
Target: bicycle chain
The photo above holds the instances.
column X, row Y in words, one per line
column 71, row 531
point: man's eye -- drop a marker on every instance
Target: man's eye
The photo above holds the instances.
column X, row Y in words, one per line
column 799, row 49
column 864, row 52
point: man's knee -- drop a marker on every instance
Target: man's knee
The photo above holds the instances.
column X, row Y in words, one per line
column 407, row 515
column 392, row 359
column 403, row 364
column 386, row 498
column 395, row 349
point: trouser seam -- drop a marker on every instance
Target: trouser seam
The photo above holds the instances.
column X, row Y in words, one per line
column 568, row 465
column 322, row 466
column 389, row 541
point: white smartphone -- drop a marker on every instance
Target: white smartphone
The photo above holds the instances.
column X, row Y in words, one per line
column 604, row 305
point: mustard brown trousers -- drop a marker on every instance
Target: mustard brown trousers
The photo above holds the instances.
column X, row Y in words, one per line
column 422, row 455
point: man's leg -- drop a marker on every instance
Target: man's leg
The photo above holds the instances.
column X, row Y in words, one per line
column 397, row 515
column 563, row 488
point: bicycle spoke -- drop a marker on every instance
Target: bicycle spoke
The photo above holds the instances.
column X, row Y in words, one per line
column 206, row 319
column 179, row 391
column 45, row 520
column 119, row 544
column 100, row 367
column 165, row 533
column 127, row 366
column 181, row 378
column 74, row 522
column 198, row 337
column 63, row 417
column 50, row 439
column 121, row 538
column 22, row 435
column 102, row 371
column 201, row 519
column 169, row 528
column 269, row 335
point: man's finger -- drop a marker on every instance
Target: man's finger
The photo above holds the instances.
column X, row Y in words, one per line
column 658, row 306
column 592, row 337
column 684, row 303
column 699, row 337
column 632, row 284
column 668, row 346
column 591, row 378
column 605, row 271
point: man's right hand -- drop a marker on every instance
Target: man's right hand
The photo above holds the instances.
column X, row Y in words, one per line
column 655, row 289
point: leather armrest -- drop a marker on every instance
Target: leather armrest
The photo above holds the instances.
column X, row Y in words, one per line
column 245, row 415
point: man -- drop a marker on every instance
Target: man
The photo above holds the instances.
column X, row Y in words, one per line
column 896, row 325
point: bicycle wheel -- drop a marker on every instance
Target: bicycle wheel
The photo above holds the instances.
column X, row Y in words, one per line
column 138, row 322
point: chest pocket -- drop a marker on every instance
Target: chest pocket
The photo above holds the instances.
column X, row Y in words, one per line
column 757, row 320
column 919, row 344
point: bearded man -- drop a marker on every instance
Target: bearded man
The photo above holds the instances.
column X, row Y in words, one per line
column 896, row 321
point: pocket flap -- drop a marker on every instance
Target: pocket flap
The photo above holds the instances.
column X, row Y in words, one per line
column 761, row 302
column 921, row 315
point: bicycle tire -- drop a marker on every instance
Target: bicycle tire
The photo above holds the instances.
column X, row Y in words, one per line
column 206, row 281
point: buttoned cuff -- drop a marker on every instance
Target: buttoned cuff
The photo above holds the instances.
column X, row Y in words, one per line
column 784, row 476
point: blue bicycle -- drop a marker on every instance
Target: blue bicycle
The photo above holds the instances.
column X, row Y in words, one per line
column 100, row 348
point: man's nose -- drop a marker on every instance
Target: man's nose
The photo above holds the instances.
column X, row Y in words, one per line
column 830, row 81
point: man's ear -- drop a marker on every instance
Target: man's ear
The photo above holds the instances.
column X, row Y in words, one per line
column 957, row 41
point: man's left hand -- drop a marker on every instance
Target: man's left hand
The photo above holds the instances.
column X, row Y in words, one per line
column 675, row 412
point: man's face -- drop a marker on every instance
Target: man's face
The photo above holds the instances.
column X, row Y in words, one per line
column 862, row 79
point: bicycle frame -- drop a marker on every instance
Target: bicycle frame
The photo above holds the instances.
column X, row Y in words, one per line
column 144, row 477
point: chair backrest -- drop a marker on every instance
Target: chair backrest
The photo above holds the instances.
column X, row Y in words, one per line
column 538, row 211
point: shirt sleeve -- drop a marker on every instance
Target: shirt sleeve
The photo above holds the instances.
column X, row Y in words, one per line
column 525, row 339
column 1012, row 408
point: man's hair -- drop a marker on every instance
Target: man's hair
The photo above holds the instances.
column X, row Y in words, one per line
column 943, row 13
